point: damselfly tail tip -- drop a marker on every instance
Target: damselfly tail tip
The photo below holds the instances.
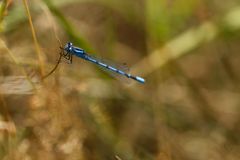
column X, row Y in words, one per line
column 140, row 79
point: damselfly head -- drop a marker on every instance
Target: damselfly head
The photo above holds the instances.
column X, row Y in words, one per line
column 68, row 47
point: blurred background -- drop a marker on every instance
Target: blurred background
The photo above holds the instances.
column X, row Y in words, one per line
column 188, row 52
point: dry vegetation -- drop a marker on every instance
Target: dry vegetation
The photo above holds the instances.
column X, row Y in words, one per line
column 188, row 52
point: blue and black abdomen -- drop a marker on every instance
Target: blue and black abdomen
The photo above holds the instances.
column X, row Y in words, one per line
column 113, row 69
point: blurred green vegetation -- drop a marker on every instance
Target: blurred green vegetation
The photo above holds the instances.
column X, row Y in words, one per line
column 188, row 52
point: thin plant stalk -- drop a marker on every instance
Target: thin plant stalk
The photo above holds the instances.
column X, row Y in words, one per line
column 39, row 53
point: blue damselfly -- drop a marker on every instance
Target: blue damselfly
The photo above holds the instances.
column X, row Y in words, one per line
column 69, row 50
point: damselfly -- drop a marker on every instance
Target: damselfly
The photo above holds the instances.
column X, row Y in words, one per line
column 69, row 50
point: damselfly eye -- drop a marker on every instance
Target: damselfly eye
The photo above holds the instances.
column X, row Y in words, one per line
column 68, row 47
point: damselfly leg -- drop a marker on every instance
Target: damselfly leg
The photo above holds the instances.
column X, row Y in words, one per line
column 66, row 55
